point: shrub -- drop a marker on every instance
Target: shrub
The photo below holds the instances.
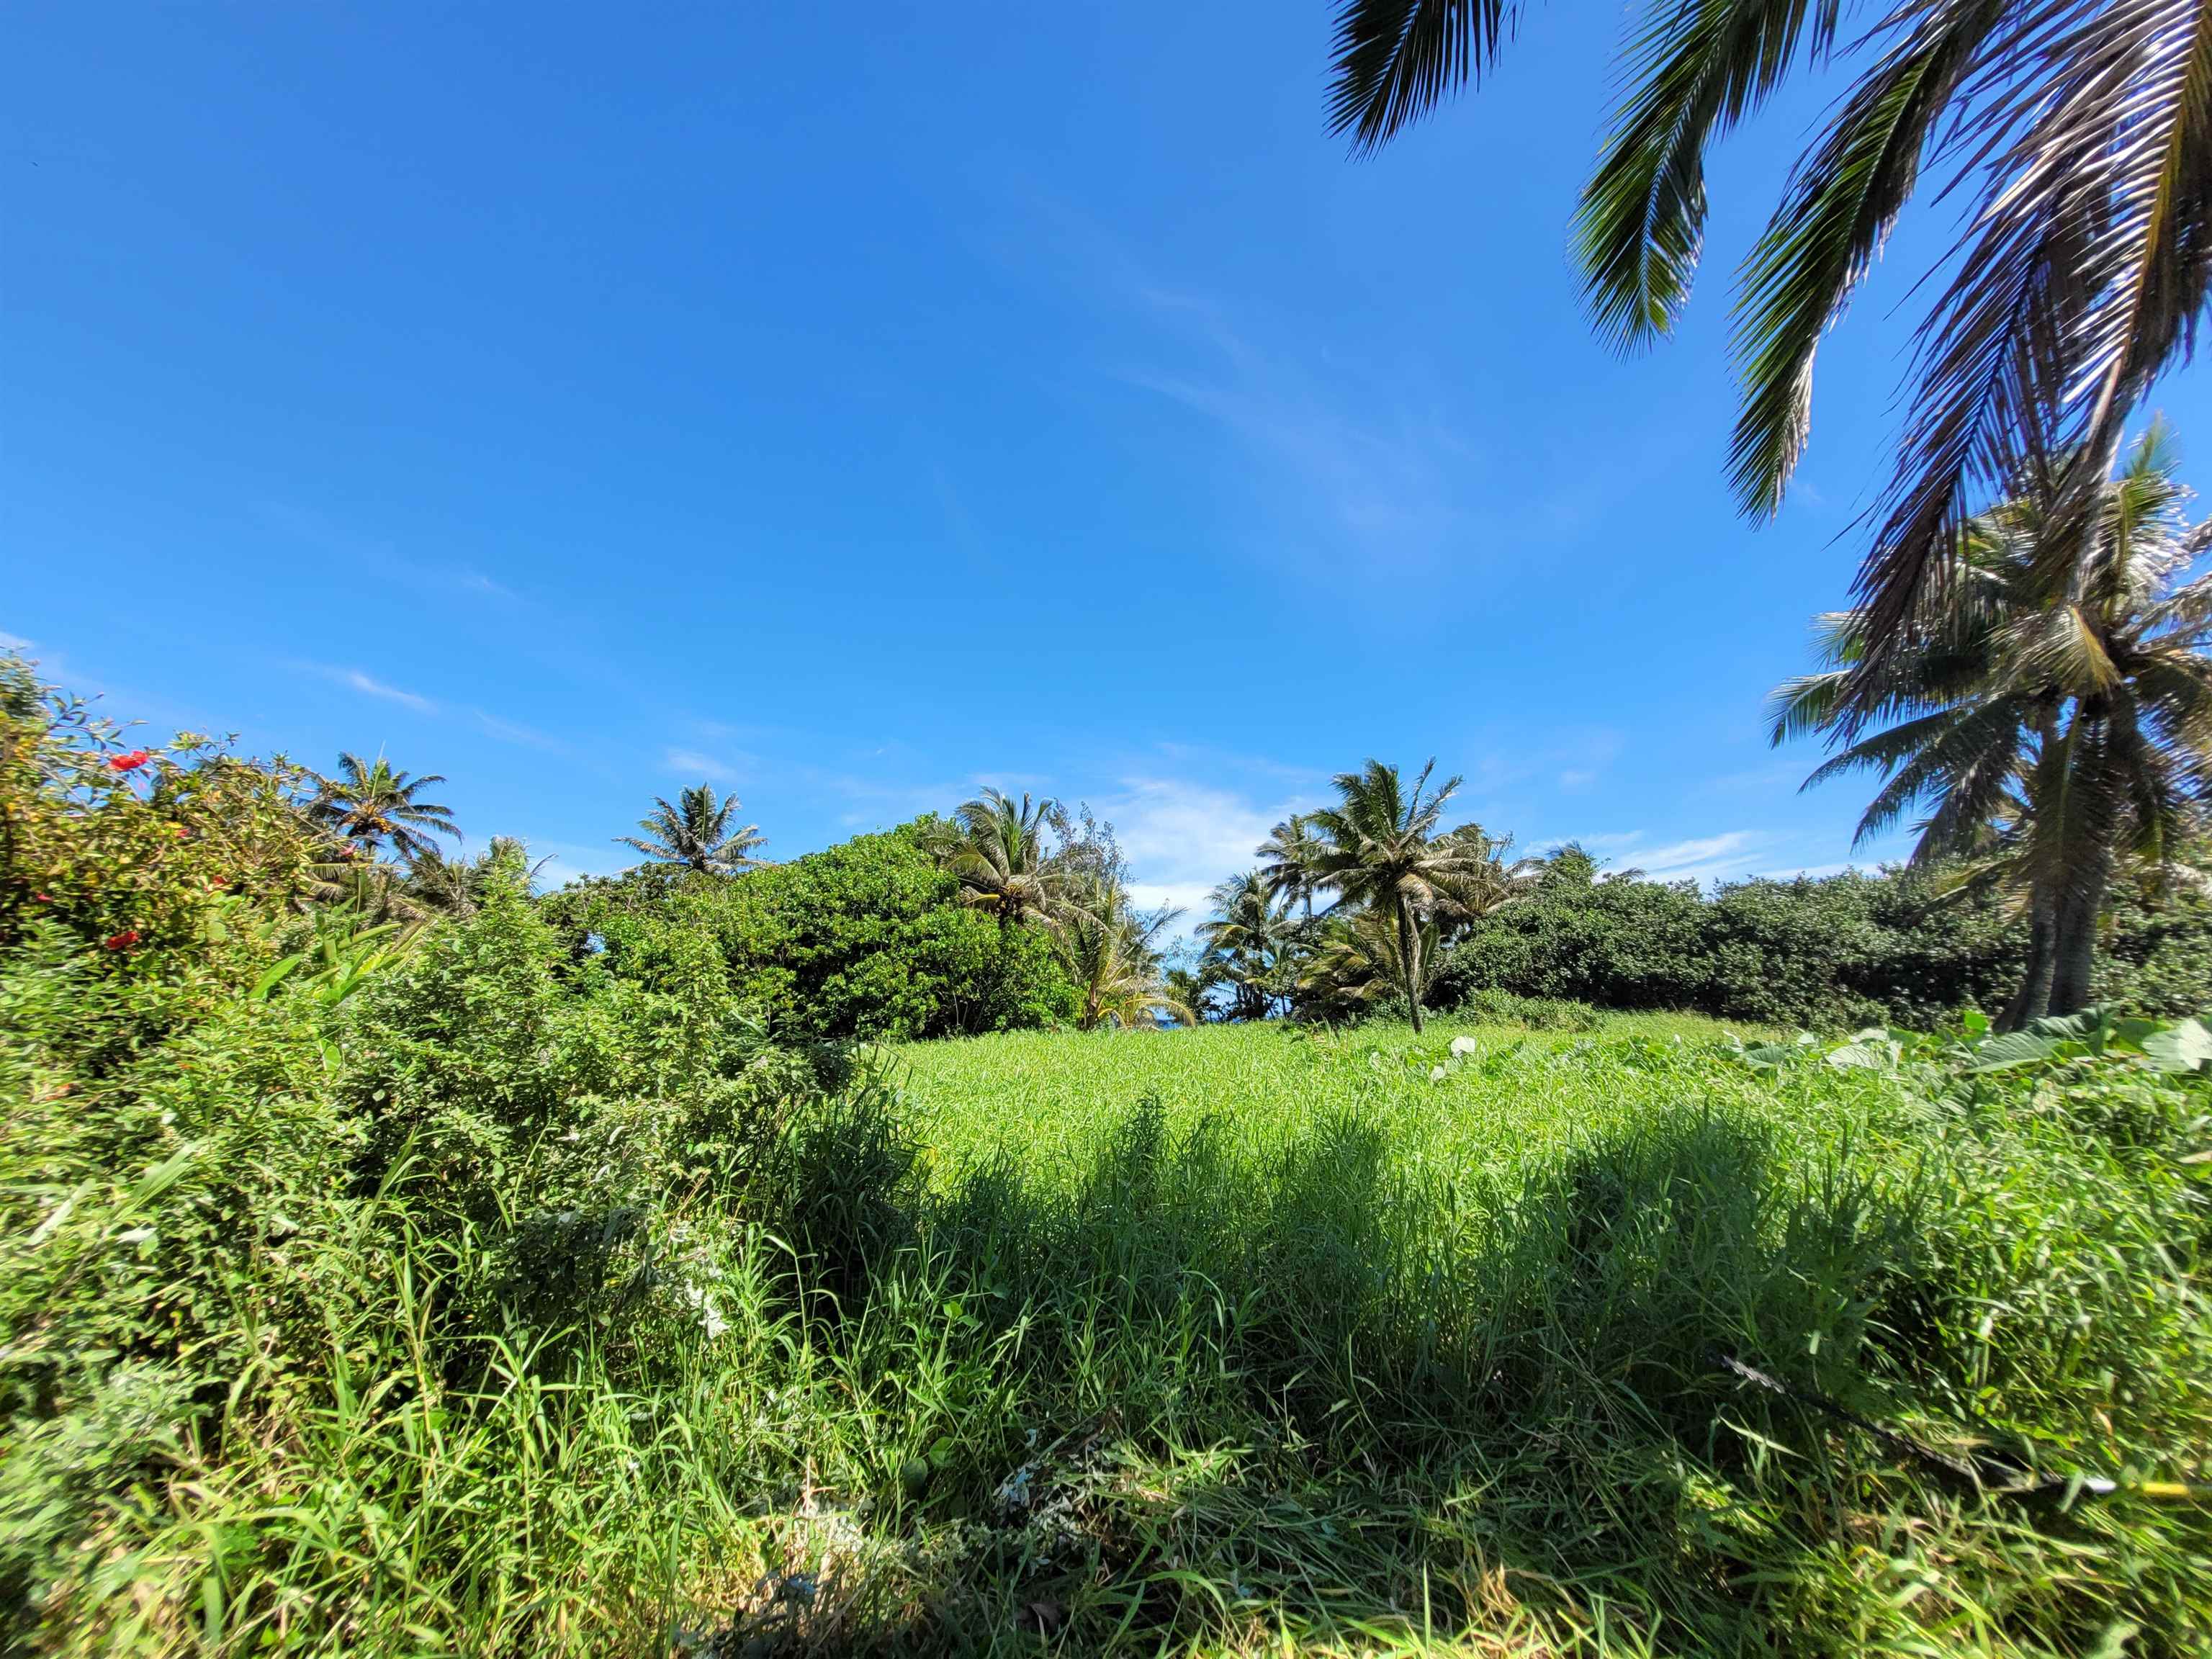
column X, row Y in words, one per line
column 864, row 940
column 1835, row 952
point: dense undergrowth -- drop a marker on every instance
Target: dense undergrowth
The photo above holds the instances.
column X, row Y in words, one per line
column 477, row 1301
column 464, row 1289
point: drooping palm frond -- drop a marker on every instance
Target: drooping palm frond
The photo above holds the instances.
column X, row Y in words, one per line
column 1841, row 203
column 2093, row 130
column 1397, row 59
column 1693, row 71
column 2077, row 135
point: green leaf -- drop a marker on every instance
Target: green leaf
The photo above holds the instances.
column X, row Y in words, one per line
column 2184, row 1048
column 270, row 978
column 2014, row 1049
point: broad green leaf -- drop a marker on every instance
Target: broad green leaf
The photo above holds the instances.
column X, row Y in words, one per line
column 2014, row 1049
column 2187, row 1047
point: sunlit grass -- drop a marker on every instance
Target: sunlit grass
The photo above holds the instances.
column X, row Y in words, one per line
column 1247, row 1341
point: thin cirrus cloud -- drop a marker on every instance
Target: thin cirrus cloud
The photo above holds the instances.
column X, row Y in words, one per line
column 492, row 726
column 368, row 685
column 696, row 763
column 1730, row 855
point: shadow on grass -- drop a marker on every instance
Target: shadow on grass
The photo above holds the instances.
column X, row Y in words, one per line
column 1326, row 1393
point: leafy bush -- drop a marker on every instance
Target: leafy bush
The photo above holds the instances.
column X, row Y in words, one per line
column 1835, row 952
column 864, row 940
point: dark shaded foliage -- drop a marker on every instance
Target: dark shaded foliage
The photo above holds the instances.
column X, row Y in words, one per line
column 1837, row 951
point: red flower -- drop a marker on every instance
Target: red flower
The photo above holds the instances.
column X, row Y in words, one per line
column 43, row 898
column 122, row 941
column 218, row 881
column 182, row 832
column 130, row 762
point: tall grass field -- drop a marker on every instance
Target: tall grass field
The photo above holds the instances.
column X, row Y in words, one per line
column 1240, row 1340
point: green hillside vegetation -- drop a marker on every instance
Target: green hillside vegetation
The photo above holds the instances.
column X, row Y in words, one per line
column 395, row 1260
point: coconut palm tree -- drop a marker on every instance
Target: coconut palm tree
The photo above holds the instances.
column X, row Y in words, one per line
column 372, row 808
column 695, row 832
column 998, row 851
column 1108, row 948
column 1248, row 944
column 1361, row 960
column 2076, row 138
column 1286, row 860
column 2053, row 718
column 1189, row 989
column 456, row 886
column 1380, row 850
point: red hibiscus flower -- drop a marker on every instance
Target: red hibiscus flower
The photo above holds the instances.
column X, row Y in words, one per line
column 130, row 762
column 122, row 941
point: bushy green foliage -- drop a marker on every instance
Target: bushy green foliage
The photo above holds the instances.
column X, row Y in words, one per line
column 867, row 939
column 1835, row 952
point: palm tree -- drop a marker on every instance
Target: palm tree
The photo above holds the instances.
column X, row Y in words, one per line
column 1248, row 943
column 2077, row 137
column 1361, row 959
column 1188, row 989
column 1380, row 850
column 2054, row 720
column 695, row 832
column 372, row 808
column 456, row 886
column 1108, row 948
column 998, row 851
column 1286, row 860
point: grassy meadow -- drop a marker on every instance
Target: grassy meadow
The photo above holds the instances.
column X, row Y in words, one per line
column 1345, row 1342
column 1048, row 1098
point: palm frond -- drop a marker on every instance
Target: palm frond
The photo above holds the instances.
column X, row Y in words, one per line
column 1841, row 200
column 1694, row 70
column 1396, row 60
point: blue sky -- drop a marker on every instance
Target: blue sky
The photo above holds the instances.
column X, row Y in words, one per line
column 851, row 406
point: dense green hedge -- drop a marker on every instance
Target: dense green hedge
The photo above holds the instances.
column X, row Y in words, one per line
column 867, row 939
column 1838, row 952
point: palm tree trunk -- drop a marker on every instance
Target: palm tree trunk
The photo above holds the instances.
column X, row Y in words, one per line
column 2032, row 1001
column 1409, row 953
column 2075, row 949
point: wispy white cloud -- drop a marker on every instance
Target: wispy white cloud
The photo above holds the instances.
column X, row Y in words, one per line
column 1356, row 454
column 696, row 763
column 13, row 641
column 368, row 685
column 491, row 725
column 1728, row 855
column 513, row 732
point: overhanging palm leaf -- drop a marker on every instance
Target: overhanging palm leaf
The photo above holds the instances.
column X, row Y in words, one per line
column 2078, row 135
